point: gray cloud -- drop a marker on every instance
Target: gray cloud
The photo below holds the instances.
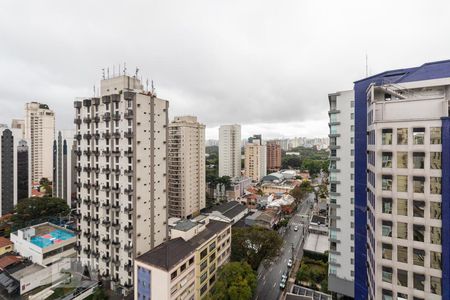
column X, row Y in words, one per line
column 265, row 64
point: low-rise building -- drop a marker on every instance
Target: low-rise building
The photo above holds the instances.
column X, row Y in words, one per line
column 5, row 245
column 230, row 212
column 266, row 219
column 184, row 267
column 45, row 243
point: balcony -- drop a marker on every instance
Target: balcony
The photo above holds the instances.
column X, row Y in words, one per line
column 77, row 104
column 128, row 247
column 128, row 191
column 95, row 152
column 77, row 121
column 115, row 207
column 106, row 99
column 106, row 117
column 116, row 262
column 116, row 244
column 128, row 267
column 96, row 119
column 87, row 169
column 96, row 203
column 95, row 237
column 128, row 209
column 128, row 134
column 95, row 101
column 77, row 248
column 128, row 153
column 87, row 234
column 77, row 136
column 128, row 228
column 115, row 98
column 87, row 120
column 115, row 153
column 107, row 223
column 78, row 169
column 116, row 225
column 128, row 115
column 116, row 171
column 87, row 218
column 96, row 170
column 128, row 172
column 95, row 254
column 77, row 152
column 77, row 200
column 87, row 250
column 106, row 188
column 127, row 95
column 116, row 189
column 96, row 220
column 87, row 136
column 87, row 185
column 106, row 153
column 116, row 135
column 106, row 204
column 87, row 201
column 106, row 135
column 87, row 102
column 116, row 117
column 106, row 259
column 87, row 152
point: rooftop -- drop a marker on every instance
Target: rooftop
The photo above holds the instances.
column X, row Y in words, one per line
column 317, row 243
column 172, row 252
column 230, row 209
column 4, row 242
column 184, row 225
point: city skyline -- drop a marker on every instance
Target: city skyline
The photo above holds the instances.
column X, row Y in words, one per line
column 272, row 68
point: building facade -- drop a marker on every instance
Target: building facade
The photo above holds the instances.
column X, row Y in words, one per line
column 186, row 161
column 40, row 132
column 19, row 124
column 402, row 166
column 341, row 192
column 255, row 159
column 23, row 170
column 184, row 267
column 121, row 177
column 230, row 150
column 273, row 156
column 64, row 161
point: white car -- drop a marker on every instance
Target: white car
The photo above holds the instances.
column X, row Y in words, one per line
column 282, row 285
column 295, row 228
column 283, row 278
column 289, row 264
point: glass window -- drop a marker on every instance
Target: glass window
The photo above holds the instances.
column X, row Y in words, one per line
column 435, row 260
column 419, row 257
column 418, row 136
column 402, row 254
column 203, row 253
column 387, row 251
column 418, row 232
column 333, row 129
column 419, row 184
column 402, row 136
column 435, row 135
column 387, row 295
column 333, row 118
column 435, row 185
column 387, row 160
column 387, row 274
column 418, row 208
column 387, row 228
column 419, row 281
column 386, row 136
column 386, row 182
column 402, row 160
column 435, row 160
column 436, row 285
column 402, row 207
column 387, row 205
column 402, row 183
column 418, row 160
column 402, row 230
column 435, row 235
column 402, row 277
column 435, row 210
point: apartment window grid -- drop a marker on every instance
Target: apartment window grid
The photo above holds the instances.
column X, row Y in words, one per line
column 414, row 200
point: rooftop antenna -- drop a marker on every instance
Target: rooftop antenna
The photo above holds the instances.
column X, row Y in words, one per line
column 124, row 68
column 103, row 73
column 107, row 72
column 119, row 70
column 136, row 73
column 94, row 90
column 153, row 89
column 367, row 65
column 146, row 85
column 114, row 70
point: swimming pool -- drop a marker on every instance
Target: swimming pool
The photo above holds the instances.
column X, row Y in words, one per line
column 51, row 238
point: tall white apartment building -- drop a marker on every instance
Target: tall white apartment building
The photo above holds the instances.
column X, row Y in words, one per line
column 230, row 150
column 341, row 191
column 19, row 124
column 121, row 177
column 40, row 131
column 255, row 159
column 64, row 161
column 186, row 167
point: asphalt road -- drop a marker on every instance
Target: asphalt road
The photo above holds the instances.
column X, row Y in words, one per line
column 269, row 278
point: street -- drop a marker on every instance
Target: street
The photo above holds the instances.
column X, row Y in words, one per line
column 269, row 278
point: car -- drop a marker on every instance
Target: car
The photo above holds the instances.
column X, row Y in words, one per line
column 289, row 263
column 282, row 285
column 283, row 278
column 295, row 228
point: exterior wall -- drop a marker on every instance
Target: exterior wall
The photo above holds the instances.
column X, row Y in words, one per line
column 255, row 161
column 121, row 177
column 6, row 249
column 8, row 170
column 19, row 124
column 40, row 131
column 273, row 156
column 186, row 167
column 341, row 216
column 63, row 148
column 23, row 170
column 230, row 150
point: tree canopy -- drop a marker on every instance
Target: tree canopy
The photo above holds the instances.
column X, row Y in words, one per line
column 236, row 281
column 255, row 245
column 31, row 209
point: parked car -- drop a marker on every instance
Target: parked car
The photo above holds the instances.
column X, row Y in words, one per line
column 289, row 263
column 295, row 228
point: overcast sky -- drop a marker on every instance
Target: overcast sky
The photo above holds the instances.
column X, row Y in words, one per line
column 267, row 65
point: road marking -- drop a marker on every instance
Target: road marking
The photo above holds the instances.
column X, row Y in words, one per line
column 256, row 298
column 274, row 284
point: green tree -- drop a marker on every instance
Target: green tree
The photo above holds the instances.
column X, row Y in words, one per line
column 30, row 210
column 291, row 162
column 99, row 294
column 236, row 281
column 255, row 245
column 47, row 185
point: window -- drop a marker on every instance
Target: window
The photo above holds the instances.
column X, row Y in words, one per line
column 418, row 257
column 418, row 184
column 402, row 230
column 402, row 207
column 402, row 254
column 436, row 285
column 418, row 160
column 418, row 232
column 333, row 188
column 386, row 136
column 435, row 210
column 387, row 160
column 435, row 135
column 386, row 182
column 352, row 116
column 203, row 277
column 402, row 136
column 203, row 265
column 191, row 260
column 173, row 275
column 386, row 251
column 333, row 118
column 435, row 260
column 418, row 208
column 387, row 274
column 387, row 295
column 333, row 129
column 387, row 228
column 418, row 136
column 435, row 185
column 203, row 253
column 203, row 289
column 352, row 128
column 435, row 160
column 402, row 277
column 402, row 183
column 387, row 205
column 333, row 141
column 419, row 281
column 212, row 246
column 435, row 235
column 402, row 160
